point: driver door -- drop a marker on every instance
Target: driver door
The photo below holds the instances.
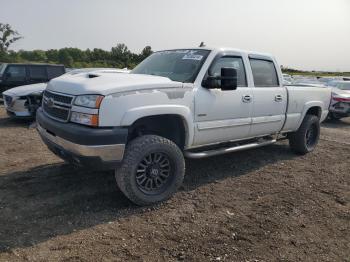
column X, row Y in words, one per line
column 223, row 115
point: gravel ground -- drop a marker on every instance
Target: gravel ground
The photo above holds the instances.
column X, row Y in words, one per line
column 260, row 205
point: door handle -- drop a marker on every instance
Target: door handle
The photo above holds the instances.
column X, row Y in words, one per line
column 278, row 98
column 247, row 98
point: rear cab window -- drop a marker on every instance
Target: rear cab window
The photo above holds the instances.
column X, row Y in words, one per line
column 264, row 73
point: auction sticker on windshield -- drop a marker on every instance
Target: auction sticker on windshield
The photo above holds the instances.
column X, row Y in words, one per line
column 192, row 56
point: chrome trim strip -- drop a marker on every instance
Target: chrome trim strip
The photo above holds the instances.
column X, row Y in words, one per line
column 207, row 125
column 105, row 152
column 267, row 119
column 67, row 106
column 61, row 94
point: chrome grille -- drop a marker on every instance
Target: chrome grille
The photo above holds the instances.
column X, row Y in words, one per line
column 57, row 105
column 59, row 97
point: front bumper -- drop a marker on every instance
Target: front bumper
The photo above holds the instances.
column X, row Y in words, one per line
column 100, row 148
column 16, row 107
column 340, row 108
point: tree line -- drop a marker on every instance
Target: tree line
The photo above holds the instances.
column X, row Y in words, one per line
column 118, row 57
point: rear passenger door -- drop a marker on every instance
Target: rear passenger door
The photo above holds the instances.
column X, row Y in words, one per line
column 37, row 74
column 269, row 98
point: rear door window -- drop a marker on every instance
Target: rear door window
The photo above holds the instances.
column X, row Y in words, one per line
column 37, row 72
column 54, row 71
column 16, row 73
column 264, row 73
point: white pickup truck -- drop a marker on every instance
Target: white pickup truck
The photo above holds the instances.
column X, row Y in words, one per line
column 179, row 103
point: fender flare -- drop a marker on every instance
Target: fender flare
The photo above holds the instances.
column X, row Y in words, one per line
column 307, row 106
column 184, row 112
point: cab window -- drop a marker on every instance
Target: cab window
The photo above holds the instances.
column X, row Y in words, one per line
column 16, row 72
column 264, row 73
column 231, row 62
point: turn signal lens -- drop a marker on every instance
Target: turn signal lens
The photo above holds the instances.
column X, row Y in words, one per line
column 84, row 119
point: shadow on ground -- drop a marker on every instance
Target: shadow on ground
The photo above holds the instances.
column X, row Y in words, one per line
column 13, row 122
column 53, row 200
column 342, row 123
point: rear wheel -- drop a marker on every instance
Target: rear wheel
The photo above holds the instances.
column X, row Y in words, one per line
column 305, row 139
column 152, row 170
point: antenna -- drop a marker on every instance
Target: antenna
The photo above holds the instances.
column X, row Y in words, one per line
column 202, row 44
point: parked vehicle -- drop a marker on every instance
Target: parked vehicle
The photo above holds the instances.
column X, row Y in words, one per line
column 340, row 102
column 287, row 79
column 180, row 103
column 12, row 75
column 23, row 101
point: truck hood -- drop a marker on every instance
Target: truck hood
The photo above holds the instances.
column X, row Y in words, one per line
column 106, row 84
column 26, row 90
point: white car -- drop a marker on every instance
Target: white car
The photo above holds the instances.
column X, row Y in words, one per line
column 178, row 103
column 340, row 103
column 23, row 101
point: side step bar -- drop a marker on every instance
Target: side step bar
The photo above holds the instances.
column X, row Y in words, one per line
column 227, row 150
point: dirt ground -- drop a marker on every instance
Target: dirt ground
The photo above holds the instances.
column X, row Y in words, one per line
column 259, row 205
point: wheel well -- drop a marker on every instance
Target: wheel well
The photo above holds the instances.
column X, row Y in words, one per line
column 315, row 110
column 171, row 127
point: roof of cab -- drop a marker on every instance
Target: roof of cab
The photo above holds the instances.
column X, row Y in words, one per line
column 223, row 49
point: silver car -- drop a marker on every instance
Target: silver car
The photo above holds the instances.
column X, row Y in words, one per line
column 340, row 101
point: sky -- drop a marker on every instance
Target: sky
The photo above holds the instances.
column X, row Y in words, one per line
column 303, row 34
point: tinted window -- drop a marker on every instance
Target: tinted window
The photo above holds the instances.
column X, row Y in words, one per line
column 264, row 73
column 16, row 72
column 231, row 62
column 37, row 72
column 54, row 71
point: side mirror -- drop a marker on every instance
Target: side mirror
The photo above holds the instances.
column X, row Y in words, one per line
column 228, row 80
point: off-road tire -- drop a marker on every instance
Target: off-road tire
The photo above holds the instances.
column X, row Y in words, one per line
column 298, row 141
column 136, row 151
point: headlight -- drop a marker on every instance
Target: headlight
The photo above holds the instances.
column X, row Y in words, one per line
column 84, row 119
column 91, row 101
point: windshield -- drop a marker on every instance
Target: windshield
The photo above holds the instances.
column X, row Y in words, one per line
column 344, row 86
column 181, row 65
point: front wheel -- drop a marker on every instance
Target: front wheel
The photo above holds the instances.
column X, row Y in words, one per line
column 305, row 139
column 152, row 170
